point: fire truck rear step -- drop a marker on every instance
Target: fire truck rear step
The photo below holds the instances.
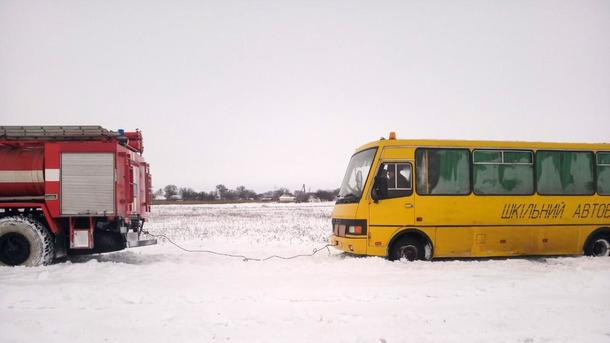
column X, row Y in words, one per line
column 141, row 243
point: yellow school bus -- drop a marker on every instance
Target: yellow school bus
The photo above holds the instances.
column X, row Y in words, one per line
column 424, row 199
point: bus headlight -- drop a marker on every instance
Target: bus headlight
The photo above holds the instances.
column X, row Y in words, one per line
column 355, row 230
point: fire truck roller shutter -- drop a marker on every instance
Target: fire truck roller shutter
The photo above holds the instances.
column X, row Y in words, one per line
column 87, row 184
column 21, row 171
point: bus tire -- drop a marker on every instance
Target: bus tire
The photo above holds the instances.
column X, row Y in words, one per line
column 409, row 248
column 598, row 245
column 24, row 242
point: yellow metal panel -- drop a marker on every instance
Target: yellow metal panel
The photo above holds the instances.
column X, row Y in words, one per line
column 397, row 153
column 350, row 245
column 486, row 144
column 557, row 240
column 379, row 237
column 345, row 211
column 453, row 242
column 512, row 210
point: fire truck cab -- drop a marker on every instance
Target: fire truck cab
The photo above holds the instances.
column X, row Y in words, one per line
column 67, row 190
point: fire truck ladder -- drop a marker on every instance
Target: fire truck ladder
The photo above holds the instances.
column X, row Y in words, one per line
column 50, row 133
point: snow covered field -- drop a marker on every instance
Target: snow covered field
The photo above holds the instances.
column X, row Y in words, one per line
column 162, row 294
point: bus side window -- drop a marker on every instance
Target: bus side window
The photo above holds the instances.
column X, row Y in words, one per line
column 503, row 172
column 564, row 173
column 603, row 173
column 397, row 177
column 442, row 171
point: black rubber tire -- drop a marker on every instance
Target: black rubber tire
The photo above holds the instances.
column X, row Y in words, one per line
column 409, row 248
column 598, row 245
column 25, row 242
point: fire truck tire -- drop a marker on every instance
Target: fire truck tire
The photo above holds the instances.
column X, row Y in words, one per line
column 24, row 241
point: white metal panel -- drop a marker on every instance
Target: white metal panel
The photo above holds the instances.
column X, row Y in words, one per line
column 81, row 239
column 87, row 183
column 51, row 174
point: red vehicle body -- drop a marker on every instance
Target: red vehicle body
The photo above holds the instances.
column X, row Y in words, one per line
column 70, row 190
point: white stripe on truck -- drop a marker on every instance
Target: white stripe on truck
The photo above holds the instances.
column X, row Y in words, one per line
column 16, row 176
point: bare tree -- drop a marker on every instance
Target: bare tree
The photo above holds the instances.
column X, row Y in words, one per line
column 170, row 191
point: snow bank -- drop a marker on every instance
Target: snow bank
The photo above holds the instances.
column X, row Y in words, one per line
column 161, row 294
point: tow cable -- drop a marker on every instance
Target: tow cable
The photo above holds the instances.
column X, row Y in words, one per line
column 244, row 258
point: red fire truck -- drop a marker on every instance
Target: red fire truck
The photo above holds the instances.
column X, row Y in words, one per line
column 67, row 190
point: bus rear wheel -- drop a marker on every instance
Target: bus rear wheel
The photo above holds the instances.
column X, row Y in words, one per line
column 599, row 246
column 408, row 248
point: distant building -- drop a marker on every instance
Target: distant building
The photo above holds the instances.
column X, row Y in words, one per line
column 267, row 196
column 287, row 198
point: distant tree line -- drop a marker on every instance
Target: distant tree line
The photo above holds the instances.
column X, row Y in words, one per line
column 241, row 193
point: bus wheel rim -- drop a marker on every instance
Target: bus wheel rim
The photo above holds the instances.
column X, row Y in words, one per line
column 408, row 252
column 14, row 249
column 601, row 247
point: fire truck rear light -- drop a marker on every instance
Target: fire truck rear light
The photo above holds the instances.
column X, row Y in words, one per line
column 81, row 239
column 351, row 230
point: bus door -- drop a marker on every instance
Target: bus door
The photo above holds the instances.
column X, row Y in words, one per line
column 394, row 207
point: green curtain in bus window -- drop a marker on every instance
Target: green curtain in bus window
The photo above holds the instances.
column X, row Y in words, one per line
column 603, row 173
column 517, row 157
column 559, row 172
column 442, row 171
column 487, row 156
column 503, row 179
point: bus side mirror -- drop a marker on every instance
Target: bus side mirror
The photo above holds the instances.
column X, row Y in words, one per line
column 374, row 196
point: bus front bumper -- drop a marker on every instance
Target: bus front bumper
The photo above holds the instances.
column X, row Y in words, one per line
column 349, row 244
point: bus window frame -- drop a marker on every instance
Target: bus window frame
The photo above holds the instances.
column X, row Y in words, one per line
column 594, row 169
column 364, row 185
column 381, row 162
column 597, row 164
column 470, row 174
column 533, row 164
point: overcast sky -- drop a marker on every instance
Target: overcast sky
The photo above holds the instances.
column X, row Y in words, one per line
column 280, row 93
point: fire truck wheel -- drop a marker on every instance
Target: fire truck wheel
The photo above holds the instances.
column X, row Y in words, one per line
column 24, row 241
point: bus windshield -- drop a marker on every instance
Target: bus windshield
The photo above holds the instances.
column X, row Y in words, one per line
column 356, row 176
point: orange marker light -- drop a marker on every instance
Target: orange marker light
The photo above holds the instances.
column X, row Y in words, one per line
column 392, row 135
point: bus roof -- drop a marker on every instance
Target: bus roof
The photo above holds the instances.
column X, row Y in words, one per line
column 484, row 144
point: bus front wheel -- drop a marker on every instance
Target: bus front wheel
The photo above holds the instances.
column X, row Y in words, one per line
column 409, row 248
column 599, row 245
